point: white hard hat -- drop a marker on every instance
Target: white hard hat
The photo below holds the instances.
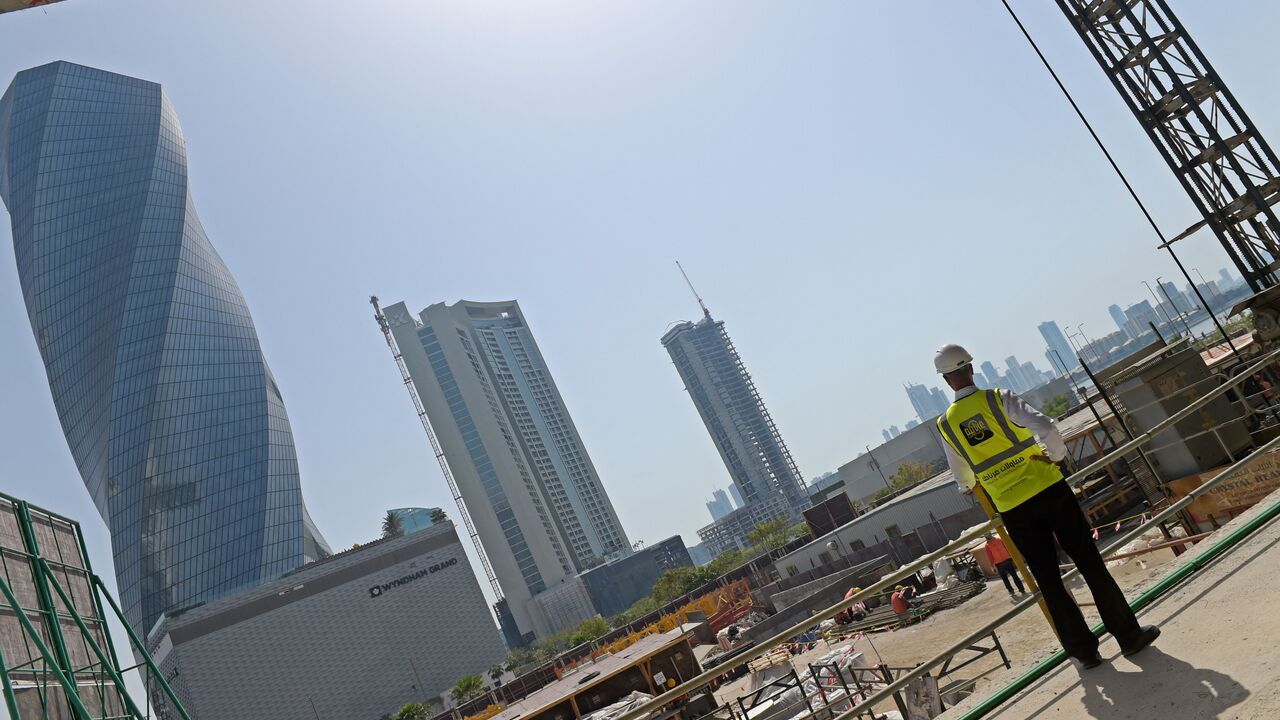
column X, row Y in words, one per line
column 950, row 358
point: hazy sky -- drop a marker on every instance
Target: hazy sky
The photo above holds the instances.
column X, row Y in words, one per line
column 849, row 184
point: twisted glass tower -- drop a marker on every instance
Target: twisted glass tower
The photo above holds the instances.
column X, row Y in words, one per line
column 164, row 396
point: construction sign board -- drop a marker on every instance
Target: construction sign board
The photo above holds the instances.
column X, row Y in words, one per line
column 1232, row 496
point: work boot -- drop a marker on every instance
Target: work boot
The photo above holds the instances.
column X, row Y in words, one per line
column 1144, row 637
column 1088, row 663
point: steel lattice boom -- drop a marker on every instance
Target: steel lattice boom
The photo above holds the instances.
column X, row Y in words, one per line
column 1204, row 135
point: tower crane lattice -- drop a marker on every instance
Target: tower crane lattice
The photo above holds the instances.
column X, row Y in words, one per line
column 435, row 444
column 1202, row 132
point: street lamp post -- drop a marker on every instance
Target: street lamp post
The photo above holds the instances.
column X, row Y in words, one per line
column 1172, row 304
column 876, row 465
column 1165, row 313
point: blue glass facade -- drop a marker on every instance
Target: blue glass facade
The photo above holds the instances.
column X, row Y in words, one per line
column 168, row 406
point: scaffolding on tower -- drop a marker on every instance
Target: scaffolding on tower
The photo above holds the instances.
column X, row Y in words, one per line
column 435, row 444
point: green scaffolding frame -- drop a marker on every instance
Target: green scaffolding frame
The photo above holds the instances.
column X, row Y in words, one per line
column 57, row 660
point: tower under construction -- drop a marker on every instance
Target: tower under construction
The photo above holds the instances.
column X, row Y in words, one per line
column 753, row 451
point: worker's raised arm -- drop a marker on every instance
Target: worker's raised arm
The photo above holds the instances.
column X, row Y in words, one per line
column 1028, row 417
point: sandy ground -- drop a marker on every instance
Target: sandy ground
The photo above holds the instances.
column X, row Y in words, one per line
column 1216, row 657
column 1026, row 639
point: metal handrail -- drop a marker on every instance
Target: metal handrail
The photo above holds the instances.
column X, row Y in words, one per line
column 707, row 676
column 1034, row 597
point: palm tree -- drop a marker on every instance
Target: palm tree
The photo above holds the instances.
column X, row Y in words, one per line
column 468, row 688
column 438, row 515
column 495, row 674
column 391, row 525
column 414, row 711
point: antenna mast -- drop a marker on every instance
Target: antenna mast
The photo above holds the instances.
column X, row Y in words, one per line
column 705, row 312
column 435, row 444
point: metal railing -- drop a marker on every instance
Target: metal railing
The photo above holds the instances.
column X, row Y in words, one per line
column 706, row 677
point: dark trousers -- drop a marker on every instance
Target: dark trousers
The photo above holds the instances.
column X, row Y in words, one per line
column 1033, row 525
column 1007, row 570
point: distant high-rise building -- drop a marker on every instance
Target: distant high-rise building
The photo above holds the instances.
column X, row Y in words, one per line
column 750, row 445
column 885, row 434
column 1057, row 343
column 1226, row 278
column 994, row 378
column 1176, row 298
column 1140, row 317
column 913, row 424
column 172, row 416
column 539, row 508
column 928, row 402
column 719, row 505
column 1054, row 363
column 737, row 497
column 1018, row 382
column 940, row 400
column 1117, row 315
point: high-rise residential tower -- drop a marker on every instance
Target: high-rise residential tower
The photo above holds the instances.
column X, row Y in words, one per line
column 1117, row 316
column 928, row 402
column 719, row 505
column 170, row 411
column 750, row 445
column 539, row 508
column 1058, row 346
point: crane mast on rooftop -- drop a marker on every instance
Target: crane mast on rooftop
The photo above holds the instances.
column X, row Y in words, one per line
column 1217, row 153
column 435, row 444
column 705, row 312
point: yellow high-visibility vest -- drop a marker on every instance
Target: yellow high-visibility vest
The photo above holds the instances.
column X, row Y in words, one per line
column 997, row 449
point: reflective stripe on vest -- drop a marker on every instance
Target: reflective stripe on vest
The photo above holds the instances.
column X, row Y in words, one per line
column 978, row 429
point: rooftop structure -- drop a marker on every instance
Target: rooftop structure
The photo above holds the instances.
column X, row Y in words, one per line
column 356, row 635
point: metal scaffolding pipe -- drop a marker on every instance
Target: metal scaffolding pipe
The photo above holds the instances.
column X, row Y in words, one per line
column 1029, row 601
column 704, row 678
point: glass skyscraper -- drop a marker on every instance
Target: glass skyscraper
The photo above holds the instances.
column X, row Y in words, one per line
column 739, row 423
column 166, row 401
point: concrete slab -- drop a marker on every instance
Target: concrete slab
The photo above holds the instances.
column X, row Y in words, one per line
column 1217, row 657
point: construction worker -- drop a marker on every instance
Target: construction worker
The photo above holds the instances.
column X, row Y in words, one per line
column 854, row 612
column 991, row 441
column 903, row 599
column 1000, row 559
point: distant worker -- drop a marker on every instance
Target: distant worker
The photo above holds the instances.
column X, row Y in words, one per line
column 1000, row 559
column 903, row 599
column 991, row 440
column 854, row 612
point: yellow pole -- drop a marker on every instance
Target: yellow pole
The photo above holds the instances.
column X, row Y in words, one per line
column 985, row 501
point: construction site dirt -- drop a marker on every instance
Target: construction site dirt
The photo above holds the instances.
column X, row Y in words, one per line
column 1212, row 621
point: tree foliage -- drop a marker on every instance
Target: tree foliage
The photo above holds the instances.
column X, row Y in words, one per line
column 467, row 689
column 679, row 581
column 590, row 629
column 770, row 534
column 414, row 711
column 391, row 525
column 909, row 473
column 1056, row 406
column 438, row 515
